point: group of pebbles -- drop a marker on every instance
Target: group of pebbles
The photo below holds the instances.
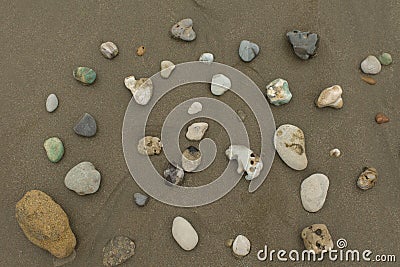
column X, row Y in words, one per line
column 46, row 225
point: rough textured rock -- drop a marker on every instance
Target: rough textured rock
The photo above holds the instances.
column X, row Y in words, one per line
column 86, row 126
column 118, row 250
column 83, row 179
column 140, row 199
column 367, row 178
column 166, row 68
column 45, row 223
column 174, row 174
column 54, row 149
column 335, row 153
column 184, row 30
column 371, row 65
column 220, row 84
column 206, row 57
column 150, row 146
column 381, row 118
column 241, row 246
column 196, row 131
column 278, row 92
column 142, row 89
column 248, row 50
column 248, row 161
column 141, row 50
column 109, row 50
column 51, row 103
column 330, row 97
column 195, row 108
column 304, row 43
column 313, row 192
column 385, row 59
column 289, row 142
column 184, row 233
column 317, row 238
column 85, row 75
column 191, row 159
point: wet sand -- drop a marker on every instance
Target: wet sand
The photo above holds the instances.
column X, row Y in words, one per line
column 43, row 41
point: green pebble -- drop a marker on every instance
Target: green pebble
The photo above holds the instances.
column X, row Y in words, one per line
column 85, row 75
column 54, row 149
column 385, row 59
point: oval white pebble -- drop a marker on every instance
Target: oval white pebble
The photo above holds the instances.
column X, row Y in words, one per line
column 241, row 246
column 196, row 107
column 184, row 233
column 313, row 192
column 51, row 103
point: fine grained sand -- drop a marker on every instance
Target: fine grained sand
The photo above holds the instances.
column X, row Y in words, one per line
column 43, row 41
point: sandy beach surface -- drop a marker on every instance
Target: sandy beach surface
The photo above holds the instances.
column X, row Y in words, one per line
column 44, row 41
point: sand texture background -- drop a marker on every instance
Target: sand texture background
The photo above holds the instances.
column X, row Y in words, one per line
column 43, row 41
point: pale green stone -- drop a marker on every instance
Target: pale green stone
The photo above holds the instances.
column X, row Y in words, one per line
column 54, row 149
column 385, row 59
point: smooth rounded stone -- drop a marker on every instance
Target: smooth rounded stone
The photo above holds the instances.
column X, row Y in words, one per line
column 381, row 118
column 330, row 97
column 278, row 92
column 118, row 250
column 109, row 50
column 368, row 80
column 206, row 57
column 196, row 131
column 317, row 238
column 247, row 160
column 241, row 246
column 174, row 174
column 142, row 89
column 45, row 223
column 149, row 145
column 335, row 153
column 289, row 142
column 86, row 126
column 385, row 59
column 191, row 159
column 220, row 84
column 371, row 65
column 51, row 103
column 304, row 44
column 184, row 233
column 367, row 178
column 195, row 108
column 140, row 199
column 84, row 179
column 141, row 50
column 184, row 30
column 166, row 68
column 313, row 192
column 54, row 149
column 85, row 75
column 248, row 50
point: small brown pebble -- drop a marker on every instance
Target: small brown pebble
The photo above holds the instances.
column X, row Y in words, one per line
column 381, row 118
column 140, row 51
column 368, row 80
column 228, row 243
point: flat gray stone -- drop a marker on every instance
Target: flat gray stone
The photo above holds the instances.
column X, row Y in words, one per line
column 86, row 126
column 248, row 50
column 140, row 199
column 51, row 103
column 313, row 192
column 84, row 179
column 371, row 65
column 304, row 43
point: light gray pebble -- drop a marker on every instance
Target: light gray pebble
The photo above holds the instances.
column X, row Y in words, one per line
column 51, row 103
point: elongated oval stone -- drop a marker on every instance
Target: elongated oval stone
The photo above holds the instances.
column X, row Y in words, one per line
column 54, row 149
column 313, row 192
column 85, row 75
column 184, row 233
column 51, row 103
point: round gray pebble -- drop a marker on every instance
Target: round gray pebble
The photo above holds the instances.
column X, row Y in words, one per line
column 86, row 126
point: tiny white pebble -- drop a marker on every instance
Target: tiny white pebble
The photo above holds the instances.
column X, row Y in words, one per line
column 335, row 153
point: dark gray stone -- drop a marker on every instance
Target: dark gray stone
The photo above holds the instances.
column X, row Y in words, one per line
column 86, row 126
column 140, row 199
column 174, row 174
column 304, row 43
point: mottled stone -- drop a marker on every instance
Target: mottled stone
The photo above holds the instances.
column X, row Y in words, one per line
column 335, row 153
column 109, row 50
column 141, row 50
column 140, row 199
column 51, row 103
column 166, row 68
column 184, row 30
column 248, row 50
column 317, row 238
column 381, row 118
column 241, row 246
column 248, row 161
column 304, row 43
column 142, row 89
column 45, row 223
column 385, row 59
column 191, row 159
column 150, row 146
column 330, row 97
column 84, row 179
column 195, row 108
column 278, row 92
column 196, row 131
column 206, row 57
column 220, row 84
column 85, row 75
column 371, row 65
column 367, row 178
column 313, row 192
column 54, row 149
column 174, row 174
column 86, row 126
column 184, row 233
column 118, row 250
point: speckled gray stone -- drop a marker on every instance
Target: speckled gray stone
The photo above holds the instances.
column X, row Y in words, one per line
column 83, row 179
column 304, row 43
column 86, row 126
